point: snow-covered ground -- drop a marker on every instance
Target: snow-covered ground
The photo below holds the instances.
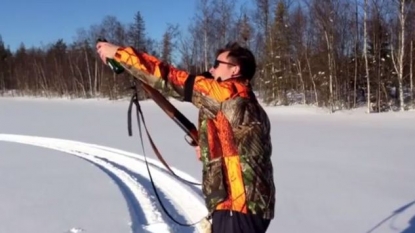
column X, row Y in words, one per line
column 69, row 166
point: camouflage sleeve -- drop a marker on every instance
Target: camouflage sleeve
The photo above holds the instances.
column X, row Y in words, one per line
column 197, row 89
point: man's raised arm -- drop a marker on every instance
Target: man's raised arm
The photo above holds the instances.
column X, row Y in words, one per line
column 156, row 73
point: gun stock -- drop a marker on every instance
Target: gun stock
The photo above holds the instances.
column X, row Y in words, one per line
column 184, row 123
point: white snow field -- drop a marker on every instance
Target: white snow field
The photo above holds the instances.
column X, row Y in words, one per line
column 69, row 166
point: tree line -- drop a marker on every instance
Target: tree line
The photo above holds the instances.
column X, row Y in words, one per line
column 339, row 54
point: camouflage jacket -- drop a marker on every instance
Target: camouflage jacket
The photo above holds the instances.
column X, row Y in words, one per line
column 234, row 134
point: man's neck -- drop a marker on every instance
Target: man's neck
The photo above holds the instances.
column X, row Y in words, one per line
column 233, row 77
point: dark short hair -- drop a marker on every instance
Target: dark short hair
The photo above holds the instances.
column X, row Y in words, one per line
column 240, row 56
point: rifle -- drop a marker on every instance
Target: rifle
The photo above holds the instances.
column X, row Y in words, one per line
column 184, row 123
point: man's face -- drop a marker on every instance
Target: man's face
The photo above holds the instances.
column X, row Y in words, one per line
column 222, row 67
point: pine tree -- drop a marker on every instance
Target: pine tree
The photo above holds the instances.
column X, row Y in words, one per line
column 136, row 35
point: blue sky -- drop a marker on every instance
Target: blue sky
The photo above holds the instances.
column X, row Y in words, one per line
column 37, row 23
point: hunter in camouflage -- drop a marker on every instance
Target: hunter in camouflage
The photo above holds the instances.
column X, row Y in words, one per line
column 234, row 132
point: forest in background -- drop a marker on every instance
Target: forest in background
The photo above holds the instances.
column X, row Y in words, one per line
column 336, row 54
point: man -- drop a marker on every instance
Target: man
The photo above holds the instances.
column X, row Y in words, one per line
column 234, row 132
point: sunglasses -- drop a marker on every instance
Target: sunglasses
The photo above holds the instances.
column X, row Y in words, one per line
column 218, row 62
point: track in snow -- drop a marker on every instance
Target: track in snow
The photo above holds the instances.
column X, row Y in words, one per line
column 129, row 171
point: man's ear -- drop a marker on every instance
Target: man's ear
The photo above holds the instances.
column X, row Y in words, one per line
column 236, row 70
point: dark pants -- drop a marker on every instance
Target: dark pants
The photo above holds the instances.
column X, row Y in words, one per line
column 224, row 221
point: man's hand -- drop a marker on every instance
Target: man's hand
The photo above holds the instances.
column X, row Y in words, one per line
column 198, row 152
column 106, row 50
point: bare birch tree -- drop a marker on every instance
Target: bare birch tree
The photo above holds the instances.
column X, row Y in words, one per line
column 398, row 55
column 365, row 54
